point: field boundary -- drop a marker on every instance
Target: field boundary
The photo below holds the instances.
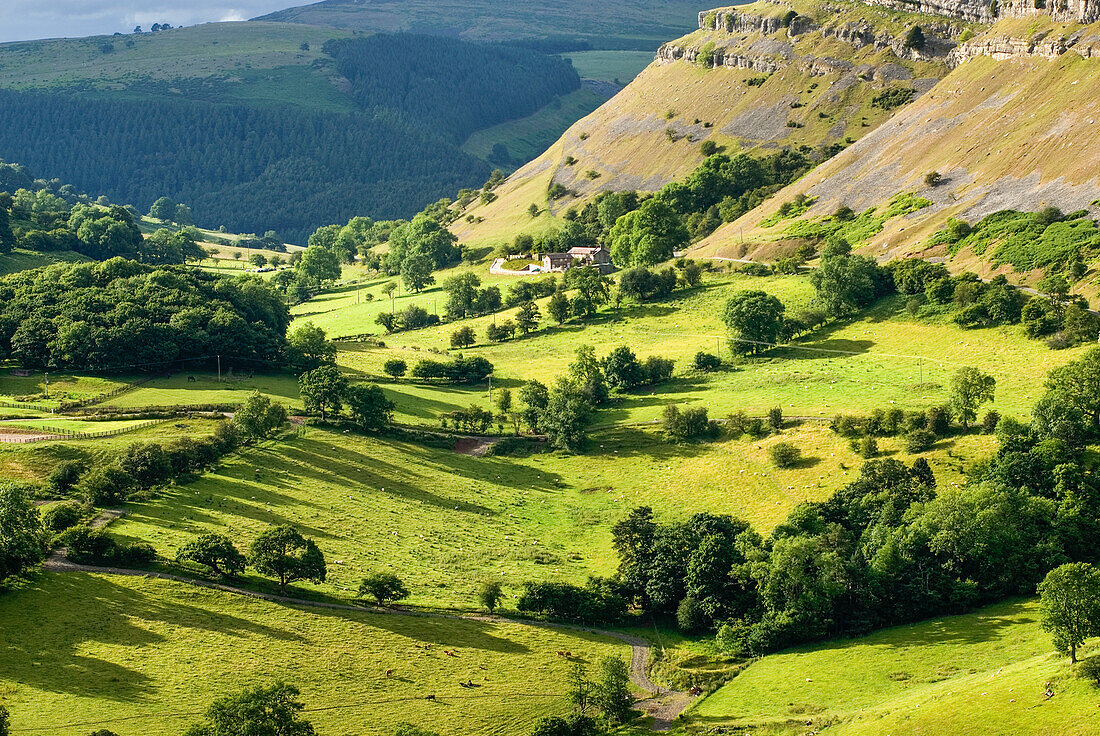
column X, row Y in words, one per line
column 45, row 434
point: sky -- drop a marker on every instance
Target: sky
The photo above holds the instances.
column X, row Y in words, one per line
column 22, row 20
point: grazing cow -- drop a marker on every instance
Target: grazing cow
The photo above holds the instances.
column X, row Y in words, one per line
column 389, row 673
column 192, row 379
column 429, row 697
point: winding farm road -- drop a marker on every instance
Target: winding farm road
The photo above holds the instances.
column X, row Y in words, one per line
column 663, row 705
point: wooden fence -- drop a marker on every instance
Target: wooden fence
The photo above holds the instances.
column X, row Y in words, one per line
column 44, row 434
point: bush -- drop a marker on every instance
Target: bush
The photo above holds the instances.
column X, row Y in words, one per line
column 383, row 587
column 690, row 424
column 1089, row 669
column 107, row 485
column 919, row 440
column 868, row 447
column 706, row 362
column 65, row 476
column 566, row 602
column 784, row 454
column 690, row 616
column 95, row 547
column 775, row 418
column 395, row 367
column 990, row 421
column 62, row 516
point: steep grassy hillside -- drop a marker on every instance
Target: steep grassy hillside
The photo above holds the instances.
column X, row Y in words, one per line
column 1011, row 132
column 606, row 25
column 983, row 673
column 744, row 80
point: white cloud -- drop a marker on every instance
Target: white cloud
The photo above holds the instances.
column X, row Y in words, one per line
column 29, row 19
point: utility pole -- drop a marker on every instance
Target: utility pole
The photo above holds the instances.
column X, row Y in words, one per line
column 219, row 369
column 47, row 384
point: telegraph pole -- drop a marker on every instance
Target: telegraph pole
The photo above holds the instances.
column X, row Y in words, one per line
column 219, row 369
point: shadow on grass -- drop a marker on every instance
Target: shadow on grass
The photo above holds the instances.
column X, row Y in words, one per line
column 48, row 650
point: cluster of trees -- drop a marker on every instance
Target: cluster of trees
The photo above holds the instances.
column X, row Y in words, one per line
column 459, row 370
column 970, row 389
column 888, row 548
column 279, row 552
column 142, row 466
column 412, row 317
column 325, row 391
column 1059, row 316
column 101, row 316
column 641, row 284
column 41, row 220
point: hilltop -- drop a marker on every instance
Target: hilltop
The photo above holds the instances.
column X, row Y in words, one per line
column 573, row 23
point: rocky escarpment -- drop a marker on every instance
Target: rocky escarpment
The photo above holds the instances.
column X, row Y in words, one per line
column 1001, row 48
column 760, row 43
column 988, row 11
column 1062, row 11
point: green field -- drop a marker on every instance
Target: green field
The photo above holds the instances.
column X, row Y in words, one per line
column 21, row 260
column 146, row 657
column 619, row 67
column 62, row 386
column 527, row 137
column 446, row 521
column 206, row 389
column 34, row 462
column 884, row 358
column 250, row 63
column 983, row 673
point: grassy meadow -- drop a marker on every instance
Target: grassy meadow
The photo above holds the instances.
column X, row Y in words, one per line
column 145, row 656
column 447, row 522
column 981, row 673
column 884, row 358
column 609, row 66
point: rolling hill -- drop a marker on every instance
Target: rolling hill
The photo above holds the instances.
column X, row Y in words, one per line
column 234, row 117
column 605, row 25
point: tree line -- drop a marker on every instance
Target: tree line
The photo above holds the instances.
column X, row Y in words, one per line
column 120, row 314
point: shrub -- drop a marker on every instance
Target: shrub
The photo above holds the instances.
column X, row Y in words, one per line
column 690, row 424
column 106, row 485
column 395, row 367
column 1089, row 669
column 383, row 587
column 868, row 447
column 95, row 547
column 784, row 454
column 919, row 440
column 65, row 476
column 567, row 602
column 706, row 362
column 62, row 516
column 690, row 616
column 775, row 418
column 990, row 421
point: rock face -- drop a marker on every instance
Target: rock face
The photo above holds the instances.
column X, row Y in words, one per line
column 1063, row 11
column 1003, row 48
column 982, row 11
